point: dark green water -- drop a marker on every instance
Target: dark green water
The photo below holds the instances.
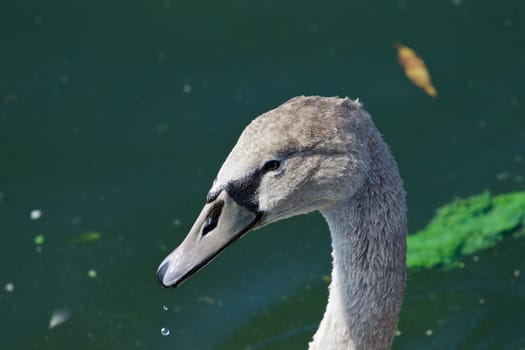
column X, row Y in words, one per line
column 115, row 117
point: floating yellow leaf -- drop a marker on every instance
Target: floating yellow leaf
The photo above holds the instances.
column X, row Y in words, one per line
column 415, row 69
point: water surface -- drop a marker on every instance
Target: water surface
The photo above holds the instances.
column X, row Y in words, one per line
column 115, row 117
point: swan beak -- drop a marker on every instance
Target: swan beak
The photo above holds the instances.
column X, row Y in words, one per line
column 220, row 223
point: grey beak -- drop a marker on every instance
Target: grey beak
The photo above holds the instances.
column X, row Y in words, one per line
column 220, row 223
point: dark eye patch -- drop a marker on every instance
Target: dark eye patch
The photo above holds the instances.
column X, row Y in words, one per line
column 244, row 191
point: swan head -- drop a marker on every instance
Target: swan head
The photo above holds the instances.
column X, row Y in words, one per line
column 305, row 155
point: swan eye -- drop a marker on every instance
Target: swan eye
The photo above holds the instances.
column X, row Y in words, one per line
column 271, row 165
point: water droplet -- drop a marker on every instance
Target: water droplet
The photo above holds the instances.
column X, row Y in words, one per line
column 164, row 331
column 164, row 307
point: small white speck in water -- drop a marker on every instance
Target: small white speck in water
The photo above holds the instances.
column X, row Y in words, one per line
column 35, row 214
column 9, row 287
column 164, row 331
column 64, row 79
column 186, row 88
column 76, row 220
column 428, row 332
column 164, row 307
column 58, row 317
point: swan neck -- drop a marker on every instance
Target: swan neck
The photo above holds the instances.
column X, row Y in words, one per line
column 368, row 275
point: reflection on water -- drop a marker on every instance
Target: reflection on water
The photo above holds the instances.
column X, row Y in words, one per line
column 114, row 120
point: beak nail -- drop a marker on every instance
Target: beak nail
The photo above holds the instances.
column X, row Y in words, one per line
column 162, row 271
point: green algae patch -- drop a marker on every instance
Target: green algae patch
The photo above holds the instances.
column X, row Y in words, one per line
column 86, row 237
column 39, row 239
column 464, row 227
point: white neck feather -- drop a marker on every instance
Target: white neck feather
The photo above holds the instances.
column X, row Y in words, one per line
column 368, row 277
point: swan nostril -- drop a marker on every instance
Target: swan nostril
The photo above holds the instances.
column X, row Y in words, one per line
column 209, row 224
column 162, row 271
column 213, row 218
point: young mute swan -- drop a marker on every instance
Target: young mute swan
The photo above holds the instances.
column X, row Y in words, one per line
column 315, row 153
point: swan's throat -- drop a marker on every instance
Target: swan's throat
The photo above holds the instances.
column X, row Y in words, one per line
column 368, row 277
